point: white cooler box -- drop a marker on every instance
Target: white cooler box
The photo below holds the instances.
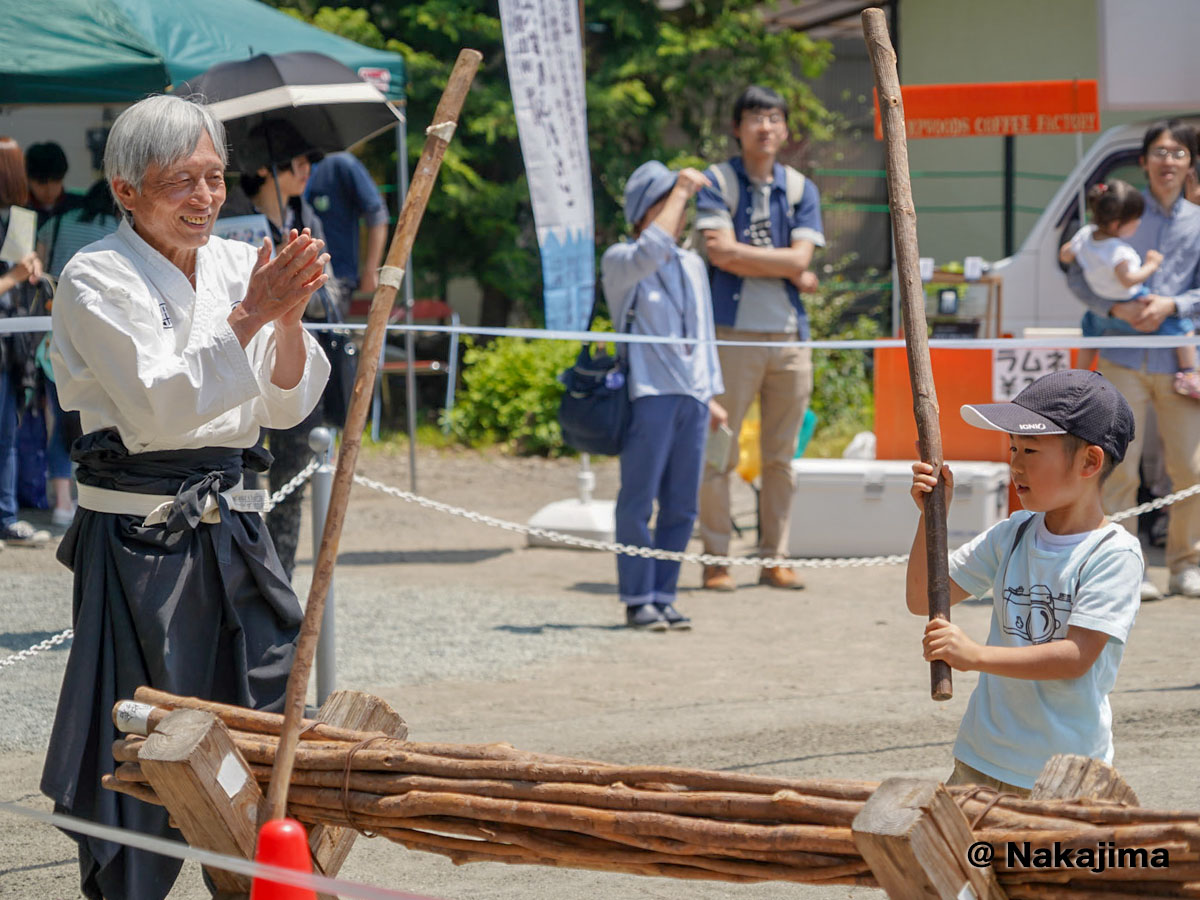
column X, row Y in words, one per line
column 859, row 507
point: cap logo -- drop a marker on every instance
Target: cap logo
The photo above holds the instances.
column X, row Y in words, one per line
column 1035, row 426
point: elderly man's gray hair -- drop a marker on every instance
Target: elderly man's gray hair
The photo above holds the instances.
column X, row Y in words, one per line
column 159, row 130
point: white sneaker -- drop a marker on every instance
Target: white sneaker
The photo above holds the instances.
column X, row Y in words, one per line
column 1150, row 591
column 62, row 518
column 1185, row 582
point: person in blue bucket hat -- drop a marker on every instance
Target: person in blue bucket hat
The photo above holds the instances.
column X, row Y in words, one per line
column 655, row 287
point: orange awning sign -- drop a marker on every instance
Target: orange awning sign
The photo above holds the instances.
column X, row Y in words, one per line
column 997, row 109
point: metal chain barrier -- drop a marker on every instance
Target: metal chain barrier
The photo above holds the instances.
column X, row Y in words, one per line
column 706, row 559
column 302, row 476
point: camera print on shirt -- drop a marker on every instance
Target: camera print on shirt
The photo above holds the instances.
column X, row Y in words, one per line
column 1035, row 614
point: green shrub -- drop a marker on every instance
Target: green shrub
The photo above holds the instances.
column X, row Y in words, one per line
column 510, row 395
column 843, row 394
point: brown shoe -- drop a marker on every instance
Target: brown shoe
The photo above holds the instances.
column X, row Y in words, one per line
column 717, row 578
column 779, row 577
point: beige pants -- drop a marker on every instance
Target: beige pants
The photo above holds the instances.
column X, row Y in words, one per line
column 781, row 377
column 964, row 774
column 1179, row 425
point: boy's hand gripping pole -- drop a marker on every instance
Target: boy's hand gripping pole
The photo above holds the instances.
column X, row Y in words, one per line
column 912, row 310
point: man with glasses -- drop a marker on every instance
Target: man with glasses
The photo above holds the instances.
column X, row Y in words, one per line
column 761, row 222
column 1170, row 225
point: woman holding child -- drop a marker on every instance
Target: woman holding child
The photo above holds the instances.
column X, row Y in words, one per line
column 1170, row 225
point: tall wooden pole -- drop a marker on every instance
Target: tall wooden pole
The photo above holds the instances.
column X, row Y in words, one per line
column 912, row 310
column 438, row 136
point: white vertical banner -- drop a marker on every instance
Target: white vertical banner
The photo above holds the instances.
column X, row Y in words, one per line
column 545, row 72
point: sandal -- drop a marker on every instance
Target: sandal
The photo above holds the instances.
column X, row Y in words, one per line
column 1188, row 383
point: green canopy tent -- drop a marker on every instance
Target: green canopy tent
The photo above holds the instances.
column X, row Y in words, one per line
column 117, row 51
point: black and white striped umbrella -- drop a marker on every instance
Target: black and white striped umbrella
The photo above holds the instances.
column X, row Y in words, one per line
column 324, row 101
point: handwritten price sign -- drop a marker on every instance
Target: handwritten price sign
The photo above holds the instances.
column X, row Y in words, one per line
column 1015, row 370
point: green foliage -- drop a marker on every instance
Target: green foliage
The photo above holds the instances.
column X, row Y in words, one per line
column 660, row 84
column 510, row 395
column 843, row 394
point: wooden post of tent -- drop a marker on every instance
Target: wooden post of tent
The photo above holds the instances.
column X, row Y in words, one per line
column 438, row 135
column 916, row 338
column 915, row 839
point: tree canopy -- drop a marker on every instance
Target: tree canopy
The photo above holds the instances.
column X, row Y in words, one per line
column 660, row 84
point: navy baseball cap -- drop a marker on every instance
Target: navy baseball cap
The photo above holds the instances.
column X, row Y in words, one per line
column 1071, row 401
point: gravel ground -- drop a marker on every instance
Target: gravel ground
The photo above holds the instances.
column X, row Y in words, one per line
column 474, row 637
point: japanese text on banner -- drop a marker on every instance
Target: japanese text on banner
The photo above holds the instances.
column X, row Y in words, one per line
column 545, row 72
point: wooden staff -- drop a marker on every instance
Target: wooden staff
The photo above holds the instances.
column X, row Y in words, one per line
column 438, row 136
column 916, row 339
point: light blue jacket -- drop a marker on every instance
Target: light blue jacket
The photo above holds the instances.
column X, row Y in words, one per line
column 671, row 288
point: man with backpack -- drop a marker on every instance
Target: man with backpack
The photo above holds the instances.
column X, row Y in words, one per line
column 761, row 223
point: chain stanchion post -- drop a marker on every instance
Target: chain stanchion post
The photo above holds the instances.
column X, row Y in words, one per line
column 321, row 442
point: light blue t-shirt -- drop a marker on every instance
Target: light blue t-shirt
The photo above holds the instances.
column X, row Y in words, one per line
column 1014, row 725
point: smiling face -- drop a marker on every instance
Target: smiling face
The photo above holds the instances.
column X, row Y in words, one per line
column 1166, row 163
column 178, row 203
column 761, row 133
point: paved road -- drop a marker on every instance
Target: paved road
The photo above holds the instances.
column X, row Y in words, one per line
column 473, row 637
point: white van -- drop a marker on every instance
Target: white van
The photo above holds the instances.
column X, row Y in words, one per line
column 1035, row 293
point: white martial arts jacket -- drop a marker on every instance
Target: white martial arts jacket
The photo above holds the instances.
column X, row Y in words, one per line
column 137, row 349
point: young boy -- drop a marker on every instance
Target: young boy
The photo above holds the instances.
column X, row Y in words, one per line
column 1065, row 584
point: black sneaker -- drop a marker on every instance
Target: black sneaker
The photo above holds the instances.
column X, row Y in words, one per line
column 645, row 617
column 22, row 534
column 675, row 620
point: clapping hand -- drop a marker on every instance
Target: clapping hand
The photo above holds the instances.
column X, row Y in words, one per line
column 280, row 287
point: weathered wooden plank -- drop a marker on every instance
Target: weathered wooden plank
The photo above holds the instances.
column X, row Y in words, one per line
column 200, row 777
column 915, row 838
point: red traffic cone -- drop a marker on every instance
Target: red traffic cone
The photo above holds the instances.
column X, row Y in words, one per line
column 283, row 843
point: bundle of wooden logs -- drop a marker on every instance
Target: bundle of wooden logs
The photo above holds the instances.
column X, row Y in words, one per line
column 491, row 802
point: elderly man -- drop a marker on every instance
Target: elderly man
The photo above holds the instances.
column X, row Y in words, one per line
column 175, row 347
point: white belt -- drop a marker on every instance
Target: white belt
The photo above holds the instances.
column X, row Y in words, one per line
column 155, row 507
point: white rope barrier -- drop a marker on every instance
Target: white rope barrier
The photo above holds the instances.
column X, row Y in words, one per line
column 1142, row 342
column 707, row 559
column 67, row 634
column 321, row 884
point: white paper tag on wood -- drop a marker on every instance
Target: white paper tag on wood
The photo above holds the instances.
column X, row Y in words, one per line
column 131, row 717
column 232, row 775
column 973, row 268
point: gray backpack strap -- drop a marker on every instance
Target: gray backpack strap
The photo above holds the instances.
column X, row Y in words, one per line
column 795, row 187
column 727, row 184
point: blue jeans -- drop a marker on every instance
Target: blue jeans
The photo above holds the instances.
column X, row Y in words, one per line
column 8, row 451
column 662, row 460
column 1096, row 325
column 58, row 454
